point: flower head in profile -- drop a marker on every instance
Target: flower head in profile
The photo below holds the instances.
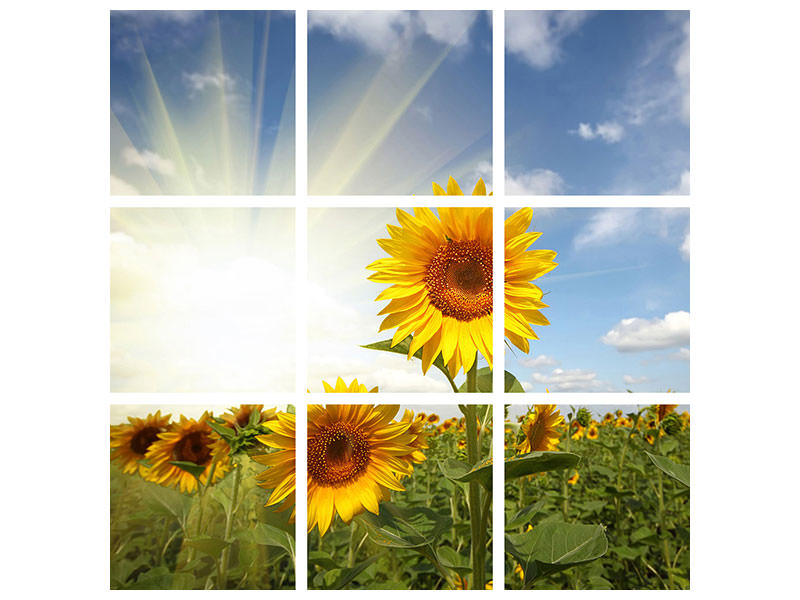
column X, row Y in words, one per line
column 440, row 292
column 131, row 441
column 342, row 388
column 191, row 441
column 662, row 410
column 540, row 430
column 416, row 428
column 240, row 417
column 356, row 456
column 453, row 188
column 523, row 300
column 574, row 478
column 280, row 473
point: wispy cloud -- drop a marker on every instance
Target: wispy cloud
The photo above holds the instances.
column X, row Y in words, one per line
column 198, row 82
column 535, row 37
column 617, row 225
column 146, row 159
column 538, row 182
column 534, row 362
column 571, row 380
column 639, row 335
column 120, row 187
column 631, row 380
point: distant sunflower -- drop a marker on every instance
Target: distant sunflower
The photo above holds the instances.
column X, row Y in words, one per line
column 462, row 444
column 280, row 474
column 420, row 442
column 540, row 430
column 240, row 417
column 578, row 430
column 593, row 432
column 343, row 388
column 432, row 418
column 440, row 271
column 608, row 418
column 574, row 479
column 453, row 188
column 355, row 457
column 130, row 441
column 650, row 439
column 662, row 410
column 188, row 441
column 522, row 298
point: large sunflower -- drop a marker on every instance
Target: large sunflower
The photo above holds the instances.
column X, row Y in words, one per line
column 440, row 271
column 523, row 299
column 453, row 188
column 130, row 441
column 342, row 388
column 541, row 430
column 356, row 454
column 280, row 476
column 188, row 441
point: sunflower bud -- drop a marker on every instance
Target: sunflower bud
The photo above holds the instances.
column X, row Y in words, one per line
column 584, row 417
column 672, row 424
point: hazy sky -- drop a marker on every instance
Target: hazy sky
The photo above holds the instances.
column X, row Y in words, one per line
column 597, row 102
column 398, row 99
column 202, row 300
column 618, row 302
column 202, row 102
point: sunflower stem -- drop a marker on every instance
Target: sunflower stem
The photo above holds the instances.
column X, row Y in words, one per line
column 226, row 551
column 472, row 377
column 661, row 514
column 478, row 547
column 450, row 380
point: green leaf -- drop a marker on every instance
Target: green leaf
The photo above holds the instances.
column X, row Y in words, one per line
column 523, row 516
column 400, row 527
column 403, row 347
column 450, row 559
column 169, row 501
column 512, row 386
column 625, row 552
column 673, row 469
column 642, row 533
column 210, row 545
column 553, row 547
column 321, row 559
column 195, row 470
column 348, row 575
column 484, row 381
column 225, row 432
column 458, row 470
column 267, row 535
column 539, row 462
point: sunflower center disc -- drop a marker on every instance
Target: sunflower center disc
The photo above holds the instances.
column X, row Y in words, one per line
column 195, row 448
column 338, row 455
column 142, row 440
column 459, row 280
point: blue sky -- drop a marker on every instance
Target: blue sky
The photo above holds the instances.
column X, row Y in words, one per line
column 398, row 99
column 597, row 102
column 619, row 302
column 202, row 102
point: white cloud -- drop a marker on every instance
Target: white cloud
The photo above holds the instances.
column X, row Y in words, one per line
column 570, row 380
column 538, row 361
column 615, row 225
column 149, row 160
column 631, row 380
column 607, row 225
column 610, row 131
column 685, row 248
column 638, row 335
column 484, row 171
column 682, row 189
column 447, row 26
column 539, row 182
column 385, row 32
column 536, row 36
column 425, row 112
column 681, row 354
column 120, row 187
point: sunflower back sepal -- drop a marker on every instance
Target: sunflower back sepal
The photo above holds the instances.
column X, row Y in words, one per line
column 193, row 469
column 226, row 433
column 539, row 462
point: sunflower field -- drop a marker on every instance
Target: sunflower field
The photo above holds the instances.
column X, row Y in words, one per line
column 398, row 499
column 203, row 503
column 608, row 505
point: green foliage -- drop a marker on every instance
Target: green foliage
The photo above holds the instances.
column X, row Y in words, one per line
column 162, row 539
column 634, row 491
